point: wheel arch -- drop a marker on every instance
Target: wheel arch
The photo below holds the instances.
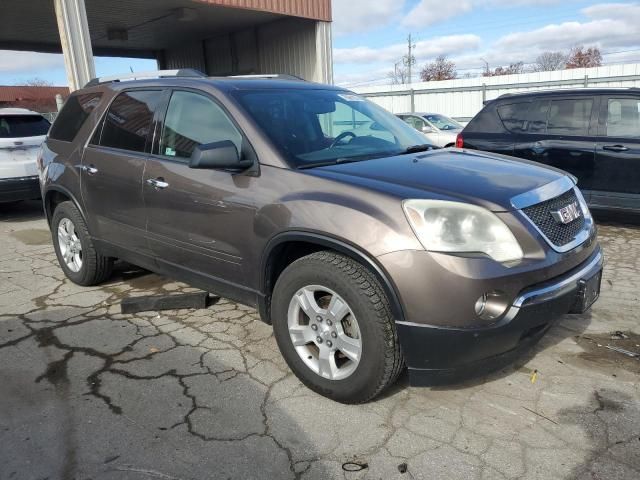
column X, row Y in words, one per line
column 287, row 247
column 55, row 195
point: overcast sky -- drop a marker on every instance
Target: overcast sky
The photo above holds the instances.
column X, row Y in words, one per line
column 370, row 36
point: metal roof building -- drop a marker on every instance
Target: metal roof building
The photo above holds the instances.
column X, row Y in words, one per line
column 219, row 37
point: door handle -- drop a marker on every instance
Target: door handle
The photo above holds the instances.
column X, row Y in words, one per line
column 615, row 148
column 90, row 169
column 157, row 183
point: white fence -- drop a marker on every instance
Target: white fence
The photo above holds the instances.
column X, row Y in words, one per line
column 463, row 98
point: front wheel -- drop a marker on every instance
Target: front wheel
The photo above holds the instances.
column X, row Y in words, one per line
column 334, row 327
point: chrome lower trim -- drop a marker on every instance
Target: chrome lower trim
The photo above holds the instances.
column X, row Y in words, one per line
column 540, row 194
column 565, row 285
column 530, row 297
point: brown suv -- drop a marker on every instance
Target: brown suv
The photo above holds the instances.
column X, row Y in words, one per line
column 365, row 248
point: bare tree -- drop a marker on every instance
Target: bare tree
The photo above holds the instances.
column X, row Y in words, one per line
column 517, row 67
column 399, row 75
column 439, row 69
column 549, row 61
column 37, row 82
column 579, row 57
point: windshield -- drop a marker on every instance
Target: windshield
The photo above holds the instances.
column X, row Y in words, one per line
column 443, row 123
column 327, row 126
column 19, row 126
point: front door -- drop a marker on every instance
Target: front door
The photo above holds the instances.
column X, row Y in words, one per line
column 616, row 181
column 112, row 168
column 199, row 221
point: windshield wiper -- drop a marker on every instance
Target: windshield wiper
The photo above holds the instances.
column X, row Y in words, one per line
column 419, row 148
column 337, row 161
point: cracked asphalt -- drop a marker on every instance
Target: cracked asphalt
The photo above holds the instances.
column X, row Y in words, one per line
column 89, row 393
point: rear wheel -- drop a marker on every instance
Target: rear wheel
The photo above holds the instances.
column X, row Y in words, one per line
column 334, row 327
column 77, row 256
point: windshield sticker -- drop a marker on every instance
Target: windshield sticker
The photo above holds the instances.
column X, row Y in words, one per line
column 350, row 97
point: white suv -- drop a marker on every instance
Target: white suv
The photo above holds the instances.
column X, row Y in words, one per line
column 21, row 134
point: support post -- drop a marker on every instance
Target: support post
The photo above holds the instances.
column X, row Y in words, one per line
column 484, row 93
column 413, row 100
column 76, row 42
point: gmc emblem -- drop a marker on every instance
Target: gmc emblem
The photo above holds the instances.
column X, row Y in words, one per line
column 567, row 214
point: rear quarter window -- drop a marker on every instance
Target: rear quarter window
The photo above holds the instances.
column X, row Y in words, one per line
column 486, row 121
column 75, row 112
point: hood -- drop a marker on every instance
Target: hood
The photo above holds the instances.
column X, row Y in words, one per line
column 485, row 179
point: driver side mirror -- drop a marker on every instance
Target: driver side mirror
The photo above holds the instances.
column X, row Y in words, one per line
column 427, row 129
column 218, row 155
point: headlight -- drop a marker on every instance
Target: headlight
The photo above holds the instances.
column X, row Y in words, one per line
column 443, row 226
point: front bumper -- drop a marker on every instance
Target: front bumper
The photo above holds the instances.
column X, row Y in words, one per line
column 439, row 355
column 20, row 188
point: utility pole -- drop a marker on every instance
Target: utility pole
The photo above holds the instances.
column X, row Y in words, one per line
column 409, row 60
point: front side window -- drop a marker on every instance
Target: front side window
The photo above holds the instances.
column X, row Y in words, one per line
column 443, row 123
column 73, row 115
column 193, row 120
column 537, row 117
column 21, row 126
column 569, row 117
column 415, row 122
column 623, row 117
column 312, row 127
column 129, row 120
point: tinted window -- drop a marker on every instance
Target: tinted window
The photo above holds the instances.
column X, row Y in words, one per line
column 16, row 126
column 537, row 116
column 487, row 121
column 569, row 117
column 129, row 120
column 623, row 117
column 513, row 115
column 194, row 120
column 75, row 111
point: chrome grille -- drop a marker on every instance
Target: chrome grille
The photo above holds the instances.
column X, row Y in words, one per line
column 558, row 233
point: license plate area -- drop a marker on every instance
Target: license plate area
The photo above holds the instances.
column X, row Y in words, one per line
column 588, row 292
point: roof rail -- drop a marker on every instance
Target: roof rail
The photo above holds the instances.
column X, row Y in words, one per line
column 183, row 72
column 267, row 76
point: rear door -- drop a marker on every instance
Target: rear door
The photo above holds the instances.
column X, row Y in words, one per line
column 560, row 132
column 616, row 179
column 112, row 168
column 198, row 220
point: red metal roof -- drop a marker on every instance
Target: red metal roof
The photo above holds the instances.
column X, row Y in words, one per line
column 315, row 9
column 14, row 93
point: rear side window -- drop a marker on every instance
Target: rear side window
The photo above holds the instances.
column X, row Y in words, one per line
column 129, row 120
column 74, row 113
column 623, row 117
column 569, row 117
column 538, row 113
column 487, row 121
column 513, row 116
column 17, row 126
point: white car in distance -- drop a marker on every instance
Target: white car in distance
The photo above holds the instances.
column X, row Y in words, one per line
column 439, row 129
column 21, row 134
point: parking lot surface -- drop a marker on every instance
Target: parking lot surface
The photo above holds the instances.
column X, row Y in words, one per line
column 89, row 393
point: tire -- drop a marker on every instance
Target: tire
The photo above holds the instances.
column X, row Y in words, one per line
column 92, row 267
column 327, row 274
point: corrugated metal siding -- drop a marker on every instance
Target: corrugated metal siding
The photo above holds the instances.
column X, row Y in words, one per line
column 462, row 98
column 190, row 55
column 290, row 46
column 314, row 9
